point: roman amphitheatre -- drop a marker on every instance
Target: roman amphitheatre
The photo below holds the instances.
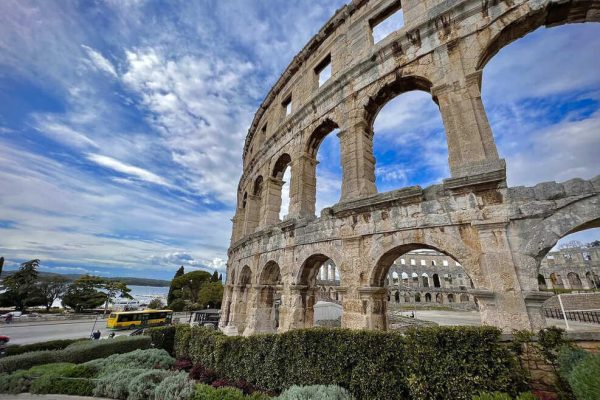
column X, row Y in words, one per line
column 498, row 234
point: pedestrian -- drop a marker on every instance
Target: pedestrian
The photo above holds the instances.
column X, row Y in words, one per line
column 111, row 335
column 96, row 335
column 9, row 318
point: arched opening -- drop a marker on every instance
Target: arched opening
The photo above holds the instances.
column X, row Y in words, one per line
column 320, row 298
column 541, row 282
column 424, row 262
column 571, row 265
column 574, row 280
column 464, row 298
column 323, row 170
column 270, row 297
column 409, row 137
column 554, row 103
column 280, row 192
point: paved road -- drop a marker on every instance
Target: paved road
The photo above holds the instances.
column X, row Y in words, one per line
column 32, row 332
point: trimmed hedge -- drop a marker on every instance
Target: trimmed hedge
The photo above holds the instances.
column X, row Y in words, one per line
column 150, row 358
column 48, row 384
column 316, row 392
column 163, row 337
column 75, row 353
column 585, row 378
column 17, row 349
column 437, row 362
column 205, row 392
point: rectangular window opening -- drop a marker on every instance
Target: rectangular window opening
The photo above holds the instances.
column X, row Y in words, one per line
column 387, row 23
column 323, row 70
column 287, row 105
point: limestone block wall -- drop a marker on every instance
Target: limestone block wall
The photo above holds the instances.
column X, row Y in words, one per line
column 498, row 234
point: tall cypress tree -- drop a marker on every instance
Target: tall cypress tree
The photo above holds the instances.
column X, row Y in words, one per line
column 214, row 277
column 1, row 264
column 171, row 296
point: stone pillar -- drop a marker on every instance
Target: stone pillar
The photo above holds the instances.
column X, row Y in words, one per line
column 261, row 318
column 225, row 318
column 303, row 187
column 271, row 202
column 293, row 304
column 242, row 297
column 252, row 214
column 358, row 161
column 471, row 146
column 508, row 309
column 238, row 226
column 373, row 307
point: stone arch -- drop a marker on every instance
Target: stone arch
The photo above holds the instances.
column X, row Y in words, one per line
column 425, row 279
column 318, row 135
column 389, row 91
column 306, row 286
column 574, row 280
column 577, row 216
column 556, row 280
column 526, row 18
column 242, row 298
column 464, row 298
column 450, row 298
column 436, row 281
column 266, row 315
column 427, row 297
column 282, row 163
column 398, row 247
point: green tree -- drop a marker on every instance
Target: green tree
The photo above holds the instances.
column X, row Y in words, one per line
column 51, row 288
column 21, row 286
column 211, row 294
column 187, row 286
column 214, row 277
column 171, row 295
column 91, row 291
column 112, row 290
column 83, row 294
column 155, row 304
column 1, row 264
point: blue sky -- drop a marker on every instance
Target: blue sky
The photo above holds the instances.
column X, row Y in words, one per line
column 122, row 124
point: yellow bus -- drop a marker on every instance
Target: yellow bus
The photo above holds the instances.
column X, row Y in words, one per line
column 138, row 319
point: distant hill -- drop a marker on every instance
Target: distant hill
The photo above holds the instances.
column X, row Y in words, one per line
column 128, row 280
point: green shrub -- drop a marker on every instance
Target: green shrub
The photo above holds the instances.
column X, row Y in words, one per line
column 315, row 392
column 137, row 359
column 175, row 387
column 163, row 338
column 568, row 358
column 49, row 384
column 585, row 378
column 17, row 349
column 17, row 382
column 28, row 360
column 90, row 350
column 142, row 386
column 456, row 362
column 182, row 340
column 77, row 352
column 115, row 385
column 24, row 381
column 437, row 362
column 205, row 392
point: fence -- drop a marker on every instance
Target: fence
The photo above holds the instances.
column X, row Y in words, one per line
column 579, row 315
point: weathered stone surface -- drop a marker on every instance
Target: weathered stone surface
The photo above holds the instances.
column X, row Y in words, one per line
column 498, row 234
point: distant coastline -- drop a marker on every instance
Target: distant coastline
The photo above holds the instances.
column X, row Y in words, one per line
column 127, row 280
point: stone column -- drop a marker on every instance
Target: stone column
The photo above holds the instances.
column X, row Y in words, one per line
column 252, row 214
column 303, row 187
column 238, row 226
column 498, row 267
column 471, row 146
column 358, row 162
column 271, row 202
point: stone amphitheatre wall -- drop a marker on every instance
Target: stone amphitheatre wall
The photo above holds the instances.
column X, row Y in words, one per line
column 498, row 234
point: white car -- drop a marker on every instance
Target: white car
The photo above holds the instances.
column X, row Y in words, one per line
column 15, row 314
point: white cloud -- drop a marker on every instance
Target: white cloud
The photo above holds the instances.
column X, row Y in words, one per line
column 99, row 61
column 119, row 166
column 60, row 132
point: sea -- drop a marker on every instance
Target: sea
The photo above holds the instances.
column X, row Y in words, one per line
column 143, row 294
